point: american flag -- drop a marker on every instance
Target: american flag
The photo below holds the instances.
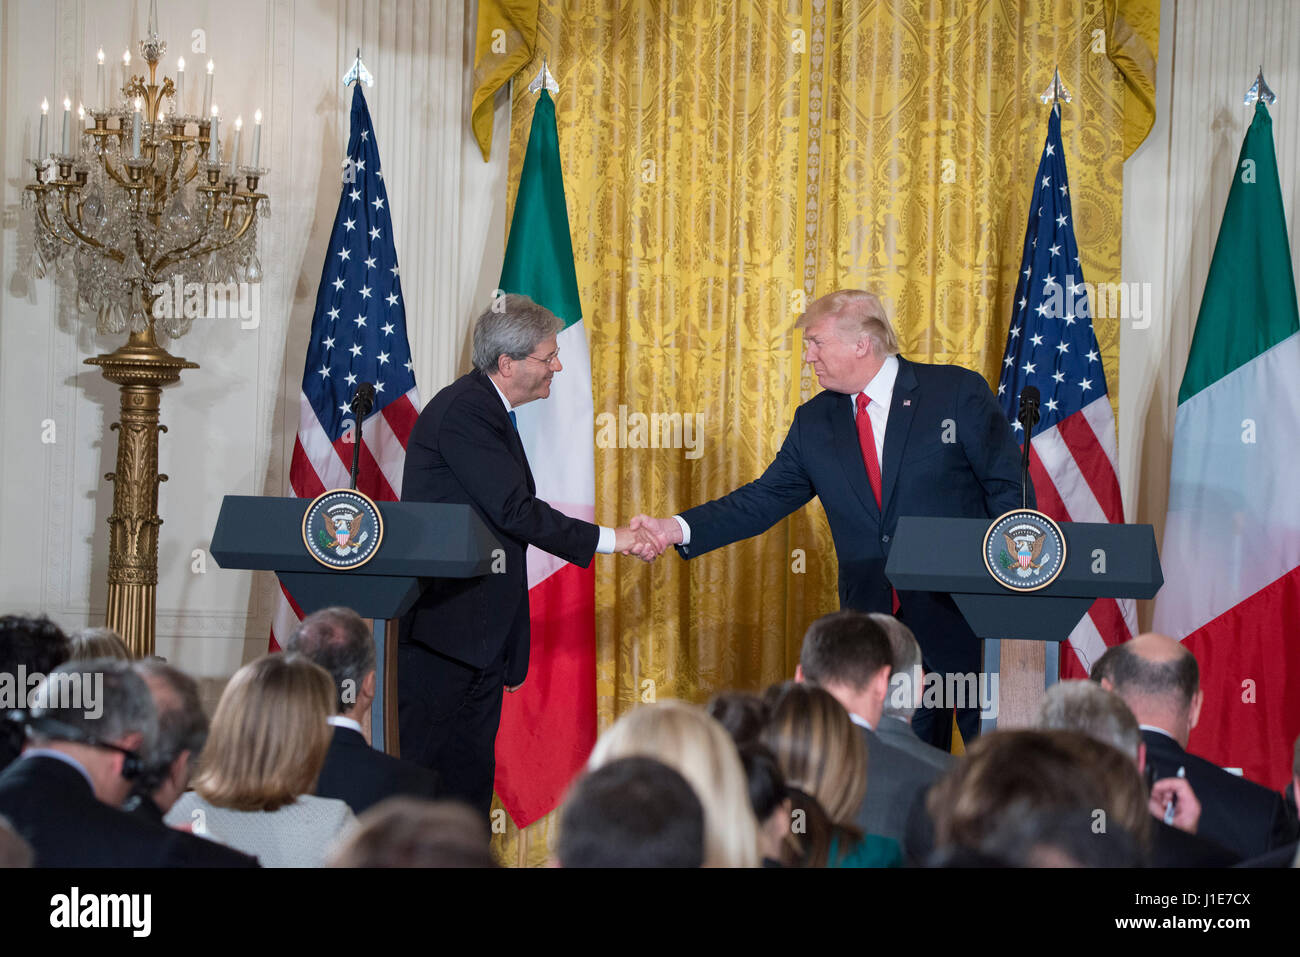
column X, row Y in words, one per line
column 1052, row 345
column 358, row 334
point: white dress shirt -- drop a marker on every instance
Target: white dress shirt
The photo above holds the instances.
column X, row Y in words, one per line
column 880, row 390
column 604, row 544
column 338, row 721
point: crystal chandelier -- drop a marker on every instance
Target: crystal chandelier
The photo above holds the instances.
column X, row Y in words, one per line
column 137, row 202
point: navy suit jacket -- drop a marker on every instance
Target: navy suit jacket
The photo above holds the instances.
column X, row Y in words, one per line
column 464, row 449
column 362, row 776
column 949, row 451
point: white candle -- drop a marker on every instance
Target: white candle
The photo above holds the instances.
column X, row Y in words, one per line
column 66, row 144
column 135, row 130
column 126, row 71
column 214, row 150
column 257, row 138
column 180, row 86
column 234, row 150
column 153, row 18
column 207, row 90
column 101, row 83
column 40, row 138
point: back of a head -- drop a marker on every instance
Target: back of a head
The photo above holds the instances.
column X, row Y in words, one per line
column 410, row 832
column 905, row 683
column 685, row 738
column 812, row 832
column 38, row 645
column 1087, row 707
column 743, row 714
column 90, row 643
column 819, row 749
column 182, row 724
column 844, row 648
column 269, row 735
column 1066, row 837
column 1151, row 671
column 1032, row 771
column 338, row 640
column 101, row 700
column 633, row 812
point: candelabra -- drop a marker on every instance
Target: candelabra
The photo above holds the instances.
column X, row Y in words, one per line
column 129, row 206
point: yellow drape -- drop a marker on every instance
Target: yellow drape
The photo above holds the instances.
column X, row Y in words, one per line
column 727, row 162
column 503, row 42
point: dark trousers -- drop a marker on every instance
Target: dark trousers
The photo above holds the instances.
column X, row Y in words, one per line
column 447, row 715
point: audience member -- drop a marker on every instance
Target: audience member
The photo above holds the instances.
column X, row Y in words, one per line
column 268, row 741
column 1159, row 681
column 88, row 726
column 685, row 738
column 1046, row 838
column 849, row 655
column 821, row 753
column 768, row 798
column 182, row 732
column 905, row 688
column 412, row 832
column 1010, row 773
column 633, row 812
column 339, row 641
column 743, row 714
column 28, row 646
column 89, row 643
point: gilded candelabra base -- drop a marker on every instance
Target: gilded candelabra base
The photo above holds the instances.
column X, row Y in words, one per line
column 141, row 367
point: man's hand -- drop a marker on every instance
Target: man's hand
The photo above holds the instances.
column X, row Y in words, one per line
column 665, row 531
column 512, row 690
column 639, row 542
column 1187, row 809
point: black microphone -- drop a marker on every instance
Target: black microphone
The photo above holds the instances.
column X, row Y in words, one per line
column 1027, row 416
column 363, row 400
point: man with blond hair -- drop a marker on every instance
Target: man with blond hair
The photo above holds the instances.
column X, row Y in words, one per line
column 887, row 437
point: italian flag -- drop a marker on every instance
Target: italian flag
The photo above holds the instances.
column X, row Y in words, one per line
column 548, row 727
column 1232, row 537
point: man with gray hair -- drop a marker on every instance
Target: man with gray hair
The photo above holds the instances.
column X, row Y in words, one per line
column 1100, row 714
column 88, row 725
column 467, row 639
column 905, row 687
column 182, row 732
column 339, row 641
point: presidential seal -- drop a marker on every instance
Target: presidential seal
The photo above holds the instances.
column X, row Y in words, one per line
column 342, row 529
column 1024, row 550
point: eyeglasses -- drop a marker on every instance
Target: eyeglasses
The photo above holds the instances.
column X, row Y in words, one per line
column 550, row 360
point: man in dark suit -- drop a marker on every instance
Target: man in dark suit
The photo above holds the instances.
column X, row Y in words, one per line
column 63, row 795
column 338, row 640
column 847, row 654
column 886, row 438
column 36, row 646
column 1099, row 713
column 466, row 639
column 182, row 732
column 905, row 687
column 1159, row 681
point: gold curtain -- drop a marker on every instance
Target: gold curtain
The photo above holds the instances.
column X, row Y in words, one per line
column 725, row 163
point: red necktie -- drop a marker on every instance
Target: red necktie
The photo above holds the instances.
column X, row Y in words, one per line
column 867, row 440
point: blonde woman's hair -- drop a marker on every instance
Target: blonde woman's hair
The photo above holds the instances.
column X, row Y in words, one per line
column 685, row 738
column 819, row 749
column 857, row 313
column 269, row 736
column 89, row 643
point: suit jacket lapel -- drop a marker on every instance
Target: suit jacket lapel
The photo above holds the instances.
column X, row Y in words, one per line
column 902, row 407
column 849, row 451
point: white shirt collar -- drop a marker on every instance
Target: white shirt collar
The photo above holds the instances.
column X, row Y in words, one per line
column 1152, row 727
column 509, row 407
column 341, row 722
column 59, row 756
column 881, row 387
column 860, row 721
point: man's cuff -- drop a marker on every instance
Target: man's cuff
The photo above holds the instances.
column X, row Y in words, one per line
column 605, row 544
column 686, row 529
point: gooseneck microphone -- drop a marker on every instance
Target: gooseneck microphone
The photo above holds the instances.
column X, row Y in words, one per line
column 1027, row 416
column 363, row 400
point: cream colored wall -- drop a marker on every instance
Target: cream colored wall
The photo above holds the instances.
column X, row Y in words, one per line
column 231, row 422
column 1175, row 186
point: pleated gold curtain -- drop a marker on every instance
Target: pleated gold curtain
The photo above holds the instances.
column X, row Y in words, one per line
column 727, row 162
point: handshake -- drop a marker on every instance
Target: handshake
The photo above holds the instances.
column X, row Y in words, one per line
column 647, row 538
